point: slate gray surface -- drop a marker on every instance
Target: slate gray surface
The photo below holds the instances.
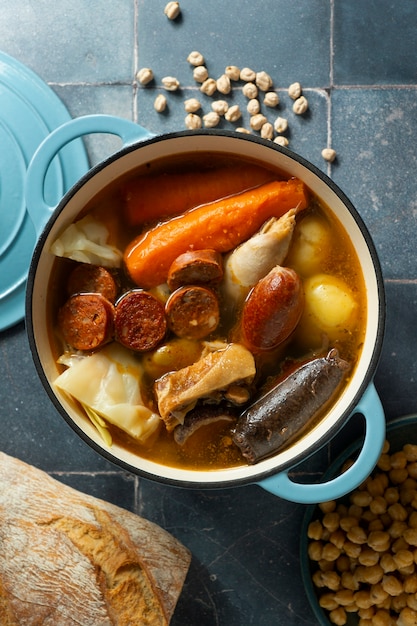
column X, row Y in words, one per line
column 356, row 62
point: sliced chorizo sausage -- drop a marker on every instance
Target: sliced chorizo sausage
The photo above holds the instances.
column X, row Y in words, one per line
column 86, row 321
column 88, row 278
column 192, row 312
column 140, row 322
column 195, row 267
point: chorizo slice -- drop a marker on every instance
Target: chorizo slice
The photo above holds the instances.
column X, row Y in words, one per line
column 192, row 312
column 195, row 267
column 140, row 322
column 88, row 278
column 86, row 321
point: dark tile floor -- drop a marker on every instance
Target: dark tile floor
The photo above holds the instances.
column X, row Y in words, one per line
column 356, row 62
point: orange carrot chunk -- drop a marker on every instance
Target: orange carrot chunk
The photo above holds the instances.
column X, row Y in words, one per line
column 220, row 225
column 165, row 195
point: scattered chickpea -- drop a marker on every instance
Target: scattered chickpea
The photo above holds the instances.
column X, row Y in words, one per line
column 200, row 73
column 195, row 58
column 170, row 83
column 172, row 10
column 300, row 105
column 233, row 72
column 209, row 87
column 281, row 141
column 271, row 99
column 144, row 75
column 281, row 125
column 245, row 131
column 257, row 121
column 294, row 91
column 263, row 81
column 250, row 90
column 160, row 103
column 212, row 119
column 267, row 131
column 247, row 75
column 220, row 106
column 193, row 121
column 223, row 84
column 253, row 106
column 233, row 113
column 192, row 105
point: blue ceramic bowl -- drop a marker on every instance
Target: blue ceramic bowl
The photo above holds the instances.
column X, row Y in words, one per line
column 399, row 432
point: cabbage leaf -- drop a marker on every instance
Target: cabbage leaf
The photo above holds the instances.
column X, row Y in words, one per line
column 109, row 383
column 86, row 241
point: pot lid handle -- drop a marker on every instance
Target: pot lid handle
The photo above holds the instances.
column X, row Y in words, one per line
column 39, row 210
column 371, row 408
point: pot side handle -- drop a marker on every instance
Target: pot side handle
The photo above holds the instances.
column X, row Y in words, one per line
column 38, row 209
column 371, row 408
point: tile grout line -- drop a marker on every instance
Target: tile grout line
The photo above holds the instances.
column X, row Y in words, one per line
column 135, row 90
column 329, row 106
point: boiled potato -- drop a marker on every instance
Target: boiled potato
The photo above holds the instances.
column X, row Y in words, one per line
column 330, row 309
column 311, row 243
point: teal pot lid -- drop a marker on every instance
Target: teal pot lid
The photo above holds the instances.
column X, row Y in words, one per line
column 29, row 111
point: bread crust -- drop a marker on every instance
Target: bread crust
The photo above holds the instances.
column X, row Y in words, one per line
column 70, row 559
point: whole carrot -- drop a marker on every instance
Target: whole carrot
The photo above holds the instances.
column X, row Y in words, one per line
column 165, row 195
column 219, row 225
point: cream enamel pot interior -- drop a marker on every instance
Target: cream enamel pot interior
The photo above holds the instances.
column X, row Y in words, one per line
column 139, row 147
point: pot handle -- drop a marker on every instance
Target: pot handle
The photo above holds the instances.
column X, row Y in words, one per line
column 38, row 209
column 371, row 408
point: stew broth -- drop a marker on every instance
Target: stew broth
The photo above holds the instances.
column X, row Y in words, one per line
column 318, row 235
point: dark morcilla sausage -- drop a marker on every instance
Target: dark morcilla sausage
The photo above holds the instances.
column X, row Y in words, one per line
column 283, row 413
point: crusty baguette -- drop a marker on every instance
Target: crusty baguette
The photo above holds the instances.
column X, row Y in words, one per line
column 69, row 559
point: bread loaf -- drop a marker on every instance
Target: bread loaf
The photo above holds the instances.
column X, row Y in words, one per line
column 67, row 558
